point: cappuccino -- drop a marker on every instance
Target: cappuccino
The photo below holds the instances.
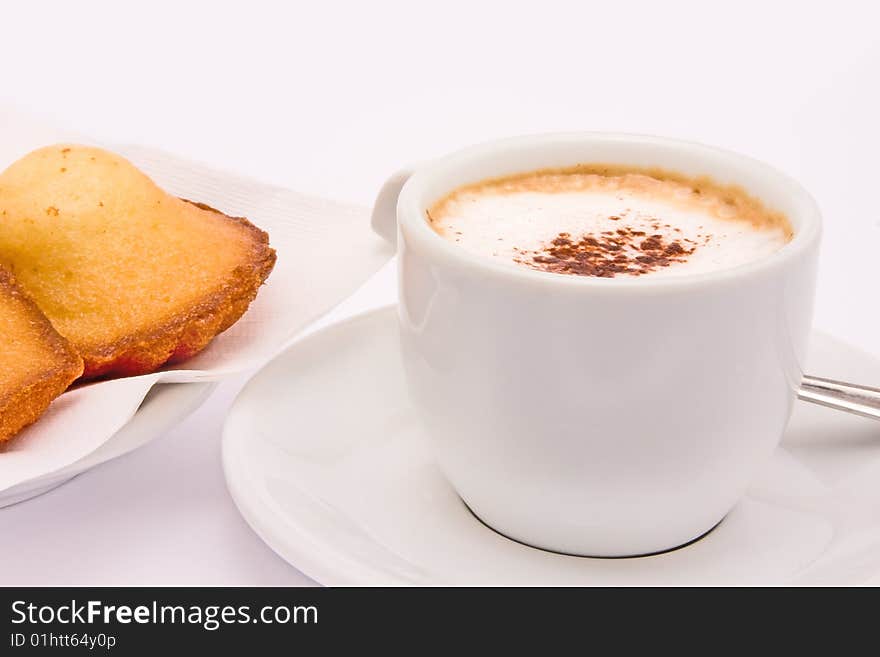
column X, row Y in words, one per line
column 610, row 221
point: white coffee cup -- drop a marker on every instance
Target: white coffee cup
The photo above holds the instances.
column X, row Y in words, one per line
column 590, row 416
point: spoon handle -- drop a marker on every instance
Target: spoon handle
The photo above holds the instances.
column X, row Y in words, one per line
column 860, row 400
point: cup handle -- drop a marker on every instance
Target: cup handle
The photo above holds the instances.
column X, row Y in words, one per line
column 384, row 219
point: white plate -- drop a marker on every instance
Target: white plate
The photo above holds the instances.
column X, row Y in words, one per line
column 164, row 406
column 303, row 228
column 327, row 463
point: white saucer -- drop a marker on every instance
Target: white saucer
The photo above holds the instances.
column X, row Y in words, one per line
column 327, row 463
column 165, row 405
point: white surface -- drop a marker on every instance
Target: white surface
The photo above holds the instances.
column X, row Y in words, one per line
column 357, row 498
column 329, row 99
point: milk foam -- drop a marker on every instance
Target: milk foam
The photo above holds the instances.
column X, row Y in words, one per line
column 517, row 225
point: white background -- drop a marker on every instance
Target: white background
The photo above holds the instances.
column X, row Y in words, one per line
column 331, row 97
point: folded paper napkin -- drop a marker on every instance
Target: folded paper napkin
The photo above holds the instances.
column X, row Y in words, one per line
column 304, row 284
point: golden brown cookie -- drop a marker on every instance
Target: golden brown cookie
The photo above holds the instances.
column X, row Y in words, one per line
column 38, row 364
column 133, row 277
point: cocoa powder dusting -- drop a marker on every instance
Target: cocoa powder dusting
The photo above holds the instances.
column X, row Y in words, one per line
column 624, row 251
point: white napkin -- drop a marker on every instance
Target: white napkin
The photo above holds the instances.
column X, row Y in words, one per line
column 326, row 250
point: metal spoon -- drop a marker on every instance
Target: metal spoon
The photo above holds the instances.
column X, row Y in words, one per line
column 860, row 400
